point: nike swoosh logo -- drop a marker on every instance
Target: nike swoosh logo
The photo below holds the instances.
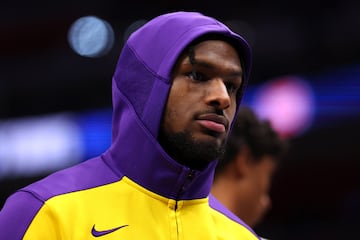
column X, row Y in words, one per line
column 96, row 233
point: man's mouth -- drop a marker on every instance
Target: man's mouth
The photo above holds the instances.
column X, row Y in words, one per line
column 213, row 122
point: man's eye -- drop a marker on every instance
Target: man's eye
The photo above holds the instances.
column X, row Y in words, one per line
column 231, row 87
column 196, row 76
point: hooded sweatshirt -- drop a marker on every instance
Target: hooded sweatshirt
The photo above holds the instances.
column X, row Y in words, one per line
column 134, row 190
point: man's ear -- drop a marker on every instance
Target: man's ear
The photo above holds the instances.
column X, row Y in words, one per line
column 242, row 162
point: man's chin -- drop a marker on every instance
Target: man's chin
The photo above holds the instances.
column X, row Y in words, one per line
column 216, row 141
column 209, row 150
column 194, row 151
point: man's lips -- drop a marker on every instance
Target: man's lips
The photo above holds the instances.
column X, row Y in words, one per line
column 213, row 122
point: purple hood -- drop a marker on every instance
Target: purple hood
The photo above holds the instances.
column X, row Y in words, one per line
column 141, row 84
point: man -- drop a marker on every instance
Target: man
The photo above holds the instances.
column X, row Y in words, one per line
column 243, row 175
column 176, row 89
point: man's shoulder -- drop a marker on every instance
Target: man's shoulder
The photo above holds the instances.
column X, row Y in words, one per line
column 86, row 175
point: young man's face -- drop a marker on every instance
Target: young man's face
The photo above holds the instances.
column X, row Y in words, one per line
column 252, row 195
column 201, row 103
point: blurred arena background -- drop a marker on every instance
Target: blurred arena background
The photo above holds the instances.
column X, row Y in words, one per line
column 55, row 95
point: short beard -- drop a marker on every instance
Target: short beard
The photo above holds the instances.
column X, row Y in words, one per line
column 189, row 152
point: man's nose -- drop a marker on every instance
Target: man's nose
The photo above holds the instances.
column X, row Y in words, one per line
column 217, row 94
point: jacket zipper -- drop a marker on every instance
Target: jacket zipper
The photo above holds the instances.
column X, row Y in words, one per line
column 188, row 179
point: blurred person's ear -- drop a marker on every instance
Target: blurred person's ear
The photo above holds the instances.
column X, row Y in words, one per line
column 243, row 162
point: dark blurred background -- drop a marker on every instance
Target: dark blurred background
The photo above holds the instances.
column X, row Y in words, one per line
column 316, row 192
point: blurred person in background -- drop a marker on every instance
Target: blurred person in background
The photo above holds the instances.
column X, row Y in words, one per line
column 177, row 87
column 243, row 175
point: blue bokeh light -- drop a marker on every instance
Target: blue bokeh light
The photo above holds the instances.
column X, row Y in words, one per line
column 91, row 36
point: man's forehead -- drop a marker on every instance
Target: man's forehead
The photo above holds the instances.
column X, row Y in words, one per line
column 207, row 54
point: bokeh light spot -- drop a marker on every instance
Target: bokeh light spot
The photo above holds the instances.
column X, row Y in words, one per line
column 91, row 36
column 288, row 103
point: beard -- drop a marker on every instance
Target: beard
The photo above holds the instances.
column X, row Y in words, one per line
column 187, row 151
